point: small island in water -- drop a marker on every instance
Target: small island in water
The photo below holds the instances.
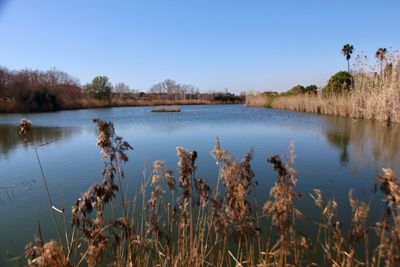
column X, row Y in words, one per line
column 167, row 109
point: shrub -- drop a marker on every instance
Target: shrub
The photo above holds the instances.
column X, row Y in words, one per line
column 296, row 90
column 301, row 90
column 311, row 89
column 43, row 100
column 338, row 84
column 100, row 88
column 227, row 97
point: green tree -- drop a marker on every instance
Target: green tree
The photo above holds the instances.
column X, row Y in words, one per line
column 338, row 84
column 296, row 90
column 347, row 50
column 381, row 56
column 311, row 89
column 99, row 88
column 300, row 90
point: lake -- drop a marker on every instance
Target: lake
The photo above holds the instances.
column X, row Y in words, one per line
column 333, row 154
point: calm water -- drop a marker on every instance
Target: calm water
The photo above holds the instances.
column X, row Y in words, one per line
column 333, row 154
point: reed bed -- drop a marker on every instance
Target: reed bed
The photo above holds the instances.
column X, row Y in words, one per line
column 334, row 105
column 257, row 100
column 373, row 96
column 177, row 219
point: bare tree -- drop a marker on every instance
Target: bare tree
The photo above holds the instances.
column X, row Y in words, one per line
column 188, row 89
column 172, row 88
column 157, row 88
column 122, row 90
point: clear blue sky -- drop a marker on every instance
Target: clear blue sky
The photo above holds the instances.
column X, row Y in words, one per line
column 239, row 45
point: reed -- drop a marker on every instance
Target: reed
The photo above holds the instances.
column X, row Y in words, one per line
column 179, row 220
column 373, row 96
column 257, row 100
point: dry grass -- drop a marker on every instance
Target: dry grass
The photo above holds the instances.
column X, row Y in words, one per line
column 194, row 225
column 338, row 105
column 374, row 96
column 257, row 100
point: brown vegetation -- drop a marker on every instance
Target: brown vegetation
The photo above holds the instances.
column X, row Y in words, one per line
column 257, row 100
column 38, row 91
column 373, row 96
column 28, row 90
column 195, row 225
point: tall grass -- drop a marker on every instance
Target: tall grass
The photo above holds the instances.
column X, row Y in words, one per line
column 256, row 100
column 373, row 96
column 333, row 105
column 179, row 220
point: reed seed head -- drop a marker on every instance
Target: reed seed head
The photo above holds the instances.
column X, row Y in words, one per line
column 24, row 126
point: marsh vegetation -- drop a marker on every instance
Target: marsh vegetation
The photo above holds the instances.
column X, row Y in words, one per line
column 367, row 92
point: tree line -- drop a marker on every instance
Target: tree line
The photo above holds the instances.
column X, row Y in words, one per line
column 34, row 91
column 28, row 90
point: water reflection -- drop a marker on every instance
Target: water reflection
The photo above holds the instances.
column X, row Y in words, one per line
column 341, row 141
column 7, row 192
column 10, row 140
column 72, row 161
column 363, row 142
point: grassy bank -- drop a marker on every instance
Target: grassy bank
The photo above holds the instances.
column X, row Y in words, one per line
column 372, row 96
column 179, row 220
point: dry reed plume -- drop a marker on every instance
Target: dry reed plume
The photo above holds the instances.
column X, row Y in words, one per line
column 193, row 224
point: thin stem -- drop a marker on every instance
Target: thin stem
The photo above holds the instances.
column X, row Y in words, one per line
column 48, row 195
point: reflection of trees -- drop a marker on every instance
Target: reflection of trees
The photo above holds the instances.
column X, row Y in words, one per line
column 365, row 141
column 10, row 139
column 9, row 189
column 341, row 141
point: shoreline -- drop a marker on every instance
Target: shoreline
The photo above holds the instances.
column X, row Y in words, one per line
column 343, row 106
column 100, row 105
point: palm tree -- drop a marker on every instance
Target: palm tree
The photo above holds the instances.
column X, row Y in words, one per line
column 347, row 50
column 381, row 56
